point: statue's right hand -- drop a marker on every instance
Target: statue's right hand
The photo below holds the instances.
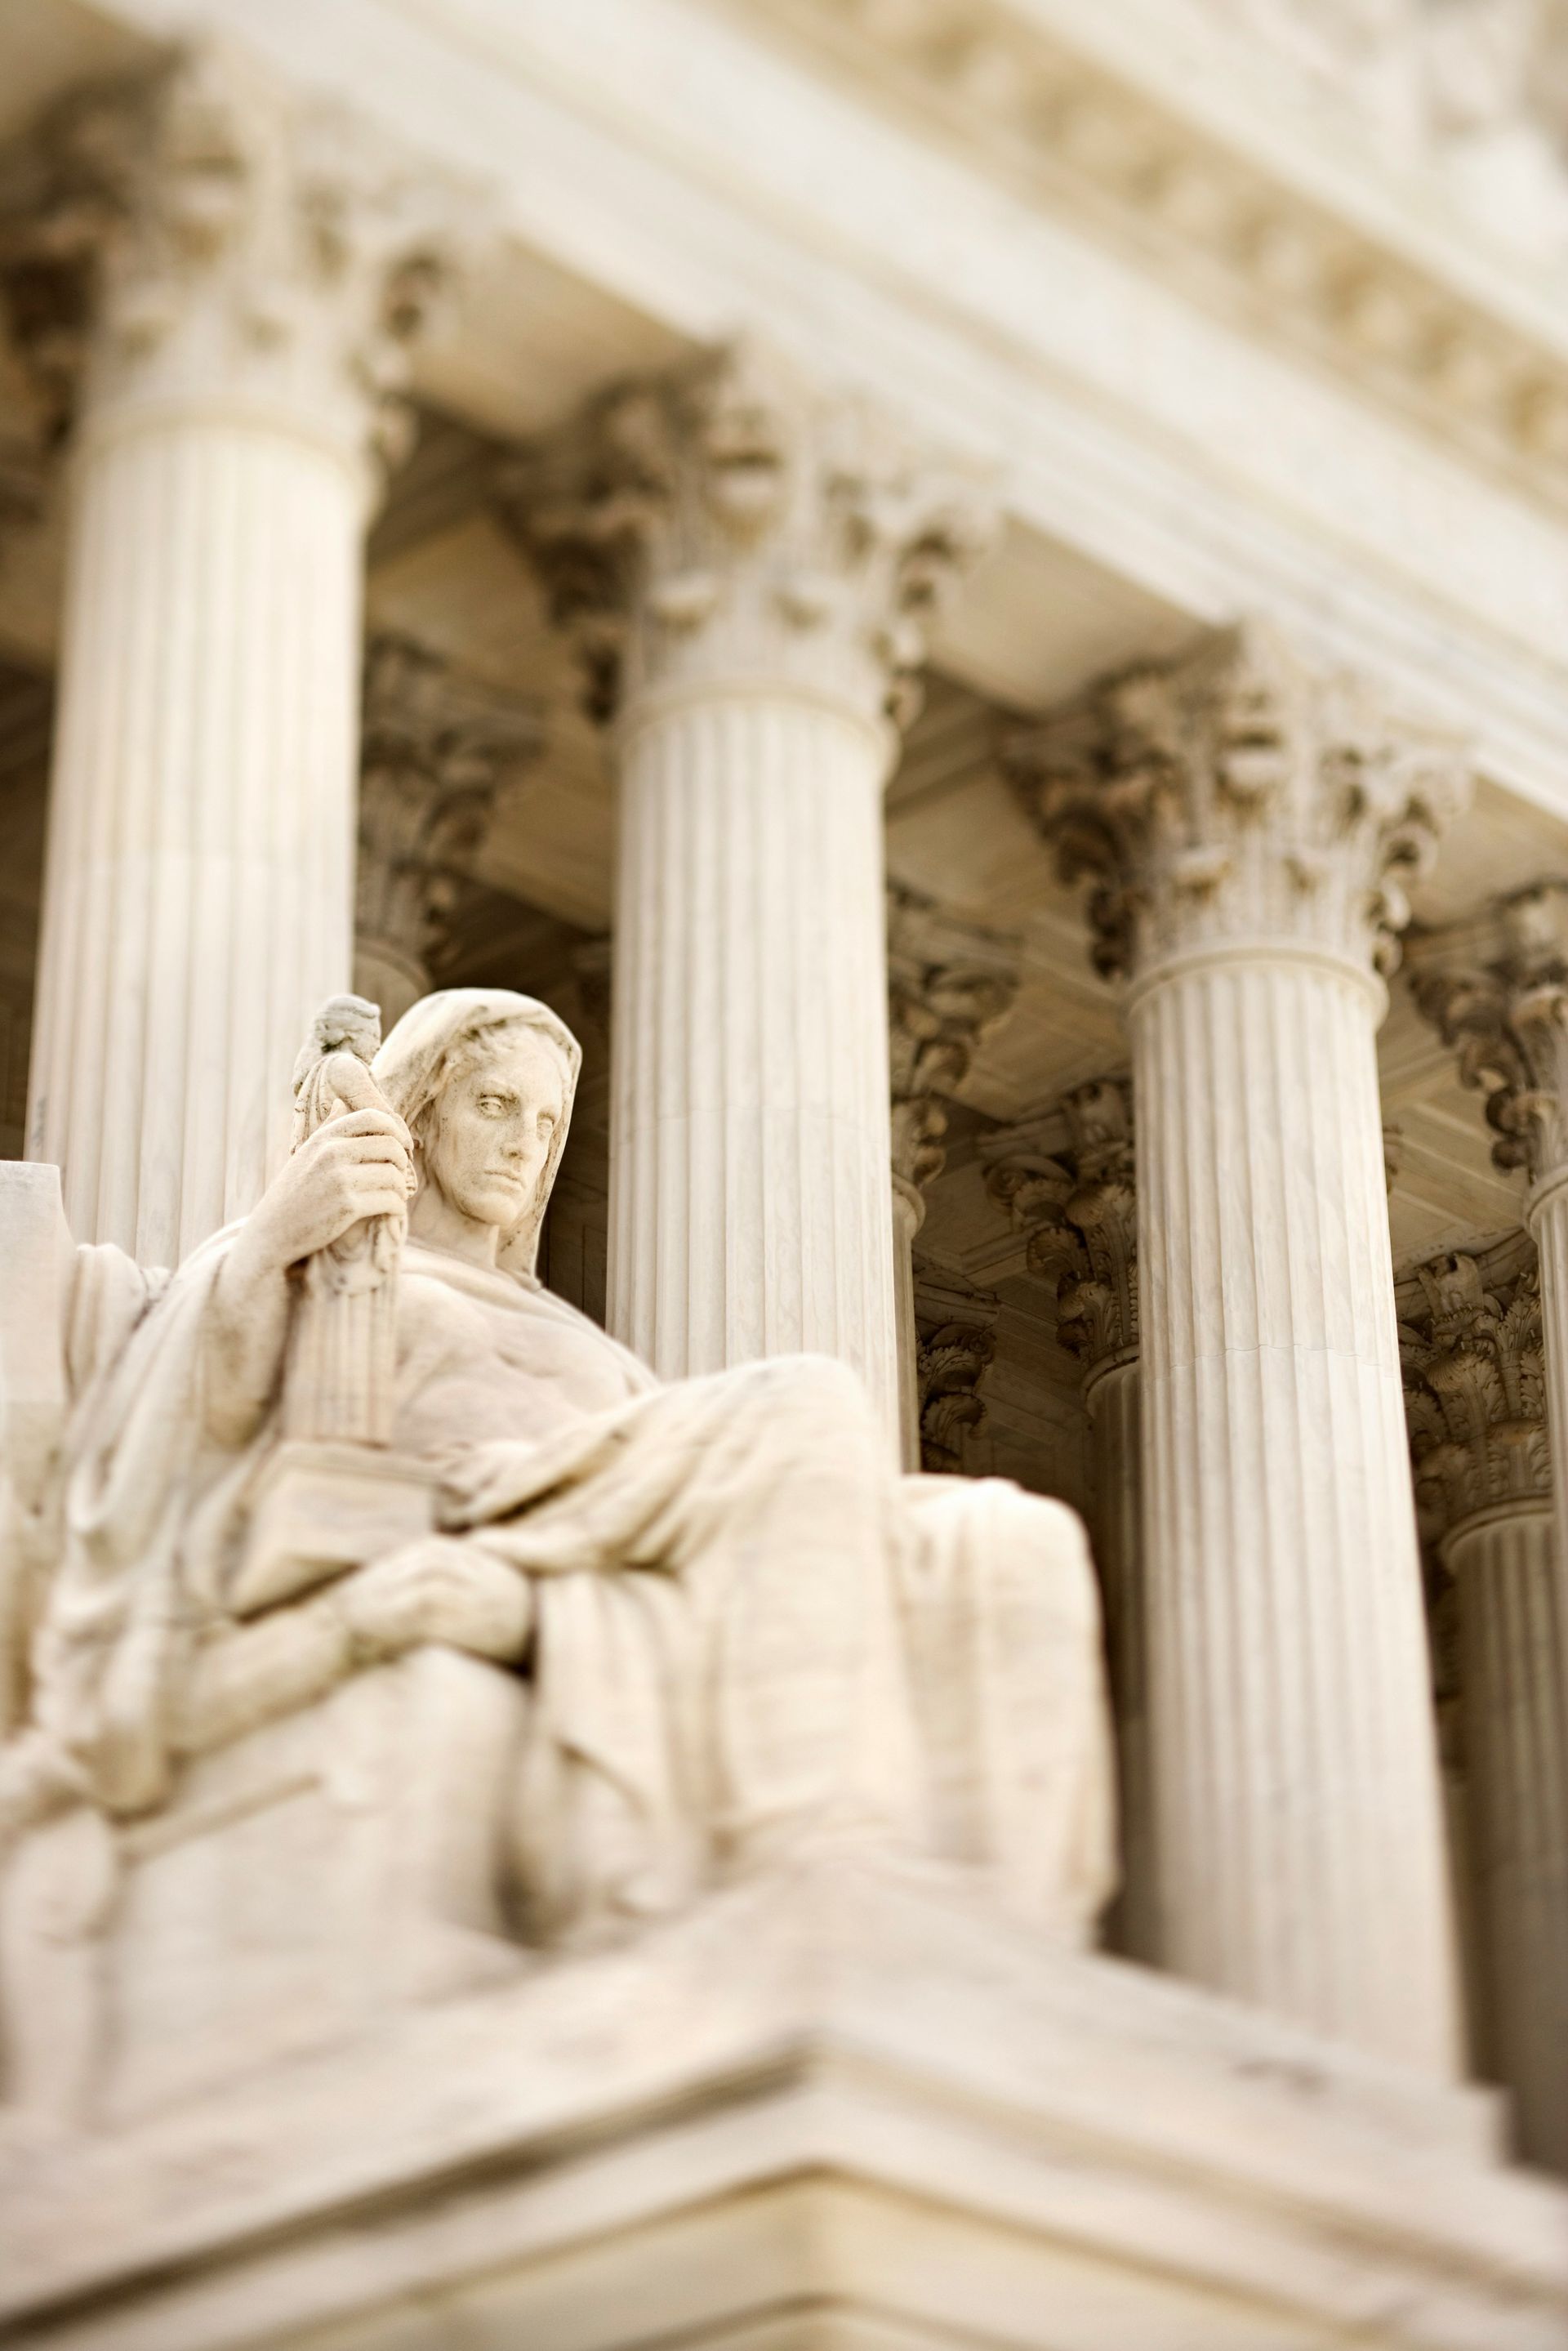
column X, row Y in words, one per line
column 356, row 1166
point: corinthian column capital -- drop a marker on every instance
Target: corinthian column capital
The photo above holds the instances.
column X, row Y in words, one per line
column 201, row 237
column 956, row 1325
column 1066, row 1183
column 728, row 523
column 1504, row 1008
column 1475, row 1384
column 1236, row 797
column 436, row 751
column 948, row 983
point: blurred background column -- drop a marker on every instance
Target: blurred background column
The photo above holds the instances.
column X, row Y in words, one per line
column 948, row 983
column 1498, row 994
column 748, row 565
column 1246, row 820
column 216, row 287
column 1476, row 1401
column 437, row 751
column 1066, row 1183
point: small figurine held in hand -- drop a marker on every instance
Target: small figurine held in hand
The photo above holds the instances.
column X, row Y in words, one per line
column 332, row 1076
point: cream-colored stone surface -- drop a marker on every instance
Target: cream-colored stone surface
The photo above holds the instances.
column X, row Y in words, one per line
column 1476, row 1398
column 231, row 399
column 740, row 1633
column 499, row 1850
column 748, row 569
column 1248, row 824
column 729, row 2133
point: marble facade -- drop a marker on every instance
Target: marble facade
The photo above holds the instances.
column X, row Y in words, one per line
column 939, row 628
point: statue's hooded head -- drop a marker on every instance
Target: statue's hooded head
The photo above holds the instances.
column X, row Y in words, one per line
column 484, row 1080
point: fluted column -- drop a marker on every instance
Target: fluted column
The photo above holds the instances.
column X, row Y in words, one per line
column 948, row 982
column 249, row 271
column 1500, row 998
column 747, row 566
column 1477, row 1408
column 1245, row 819
column 436, row 749
column 1065, row 1181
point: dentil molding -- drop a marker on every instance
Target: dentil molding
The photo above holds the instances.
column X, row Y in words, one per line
column 1346, row 250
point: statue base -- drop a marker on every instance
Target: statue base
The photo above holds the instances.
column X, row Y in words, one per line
column 319, row 1508
column 841, row 2108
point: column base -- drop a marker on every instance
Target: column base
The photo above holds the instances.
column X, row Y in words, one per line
column 828, row 2108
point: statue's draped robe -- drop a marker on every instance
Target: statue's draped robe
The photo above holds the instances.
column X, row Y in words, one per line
column 747, row 1630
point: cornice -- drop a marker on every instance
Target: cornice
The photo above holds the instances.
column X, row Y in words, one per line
column 1164, row 142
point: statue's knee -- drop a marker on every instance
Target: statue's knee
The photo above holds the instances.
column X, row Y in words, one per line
column 817, row 1391
column 1032, row 1544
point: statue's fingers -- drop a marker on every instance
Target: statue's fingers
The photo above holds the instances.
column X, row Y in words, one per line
column 372, row 1151
column 367, row 1121
column 381, row 1200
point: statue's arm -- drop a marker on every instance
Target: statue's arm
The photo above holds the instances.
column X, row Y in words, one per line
column 349, row 1169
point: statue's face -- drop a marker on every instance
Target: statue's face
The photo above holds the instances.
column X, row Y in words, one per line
column 493, row 1127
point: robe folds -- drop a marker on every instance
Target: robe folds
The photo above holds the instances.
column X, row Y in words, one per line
column 747, row 1630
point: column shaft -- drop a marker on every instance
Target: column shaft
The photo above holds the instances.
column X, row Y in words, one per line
column 199, row 875
column 1513, row 1661
column 1293, row 1758
column 749, row 567
column 1548, row 1219
column 749, row 1123
column 1112, row 1400
column 256, row 266
column 908, row 1215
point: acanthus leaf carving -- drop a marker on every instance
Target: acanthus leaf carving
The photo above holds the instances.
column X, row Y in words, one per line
column 437, row 752
column 1067, row 1183
column 1471, row 1350
column 955, row 1325
column 948, row 983
column 1236, row 797
column 197, row 230
column 1504, row 1009
column 727, row 519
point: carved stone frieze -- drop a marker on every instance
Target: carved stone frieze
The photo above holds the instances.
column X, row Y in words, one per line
column 1237, row 796
column 1474, row 1385
column 956, row 1327
column 1066, row 1183
column 1044, row 106
column 1504, row 1008
column 948, row 982
column 199, row 231
column 436, row 751
column 727, row 521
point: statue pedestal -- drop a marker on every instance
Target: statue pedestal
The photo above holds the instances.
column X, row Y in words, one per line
column 307, row 1882
column 836, row 2109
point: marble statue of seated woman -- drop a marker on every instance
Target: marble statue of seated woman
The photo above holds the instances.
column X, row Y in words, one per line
column 742, row 1632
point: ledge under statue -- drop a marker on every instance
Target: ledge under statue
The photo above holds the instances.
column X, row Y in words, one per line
column 489, row 1841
